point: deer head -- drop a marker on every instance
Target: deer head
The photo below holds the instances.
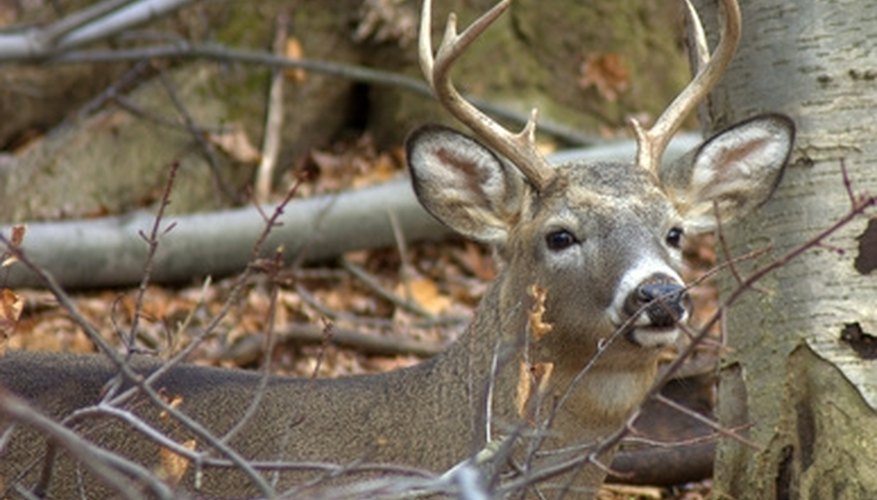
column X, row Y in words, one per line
column 602, row 238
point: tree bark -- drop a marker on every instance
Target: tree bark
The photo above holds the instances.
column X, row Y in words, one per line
column 802, row 363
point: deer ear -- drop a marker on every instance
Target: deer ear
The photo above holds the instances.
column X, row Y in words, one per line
column 737, row 169
column 463, row 184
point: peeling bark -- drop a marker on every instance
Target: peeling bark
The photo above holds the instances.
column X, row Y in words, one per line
column 799, row 368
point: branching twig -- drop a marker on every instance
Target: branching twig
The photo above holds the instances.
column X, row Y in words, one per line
column 706, row 421
column 373, row 284
column 858, row 206
column 144, row 386
column 207, row 149
column 369, row 344
column 94, row 23
column 104, row 464
column 152, row 243
column 270, row 319
column 358, row 73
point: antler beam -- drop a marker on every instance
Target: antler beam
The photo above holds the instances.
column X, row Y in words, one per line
column 519, row 148
column 651, row 143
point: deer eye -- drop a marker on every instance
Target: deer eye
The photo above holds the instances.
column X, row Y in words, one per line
column 559, row 240
column 674, row 236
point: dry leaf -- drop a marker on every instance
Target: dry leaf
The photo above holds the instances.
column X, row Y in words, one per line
column 382, row 169
column 175, row 403
column 172, row 466
column 426, row 294
column 538, row 327
column 18, row 232
column 236, row 144
column 11, row 305
column 532, row 383
column 385, row 20
column 16, row 240
column 613, row 491
column 294, row 51
column 607, row 72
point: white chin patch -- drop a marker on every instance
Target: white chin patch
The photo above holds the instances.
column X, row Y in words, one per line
column 654, row 337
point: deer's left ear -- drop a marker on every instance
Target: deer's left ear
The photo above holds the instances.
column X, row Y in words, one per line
column 737, row 170
column 463, row 184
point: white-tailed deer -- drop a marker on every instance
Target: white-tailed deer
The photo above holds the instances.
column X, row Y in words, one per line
column 599, row 243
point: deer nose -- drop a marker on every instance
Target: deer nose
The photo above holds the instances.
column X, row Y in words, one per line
column 661, row 299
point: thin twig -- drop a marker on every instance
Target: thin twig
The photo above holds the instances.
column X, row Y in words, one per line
column 273, row 118
column 357, row 73
column 207, row 149
column 858, row 207
column 374, row 285
column 104, row 464
column 705, row 420
column 365, row 343
column 328, row 328
column 152, row 241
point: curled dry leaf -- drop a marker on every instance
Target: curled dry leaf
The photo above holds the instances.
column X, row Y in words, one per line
column 235, row 143
column 174, row 402
column 294, row 50
column 18, row 232
column 425, row 292
column 533, row 381
column 607, row 73
column 538, row 327
column 172, row 467
column 16, row 239
column 11, row 305
column 386, row 20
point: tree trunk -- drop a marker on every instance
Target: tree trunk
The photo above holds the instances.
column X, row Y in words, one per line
column 802, row 363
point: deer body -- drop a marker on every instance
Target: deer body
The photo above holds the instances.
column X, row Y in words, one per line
column 602, row 240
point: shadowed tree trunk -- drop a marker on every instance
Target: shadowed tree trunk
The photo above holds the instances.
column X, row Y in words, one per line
column 802, row 363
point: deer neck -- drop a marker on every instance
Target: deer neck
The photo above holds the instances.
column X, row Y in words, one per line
column 489, row 356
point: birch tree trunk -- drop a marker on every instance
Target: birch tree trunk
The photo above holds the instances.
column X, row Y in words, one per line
column 802, row 363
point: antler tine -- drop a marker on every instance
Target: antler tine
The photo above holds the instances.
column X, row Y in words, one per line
column 652, row 142
column 519, row 148
column 701, row 55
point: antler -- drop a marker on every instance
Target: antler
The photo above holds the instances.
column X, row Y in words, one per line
column 652, row 142
column 519, row 148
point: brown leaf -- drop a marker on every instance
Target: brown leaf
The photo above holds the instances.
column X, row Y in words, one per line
column 236, row 144
column 532, row 383
column 294, row 51
column 538, row 327
column 382, row 169
column 426, row 293
column 18, row 232
column 11, row 305
column 172, row 467
column 607, row 72
column 16, row 240
column 174, row 402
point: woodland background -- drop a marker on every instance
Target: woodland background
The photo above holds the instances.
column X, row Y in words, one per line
column 248, row 102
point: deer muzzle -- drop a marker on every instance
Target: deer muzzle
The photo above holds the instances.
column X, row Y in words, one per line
column 657, row 305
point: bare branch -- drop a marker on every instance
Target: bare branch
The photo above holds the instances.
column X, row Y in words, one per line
column 104, row 464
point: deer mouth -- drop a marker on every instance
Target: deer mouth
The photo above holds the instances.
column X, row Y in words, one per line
column 652, row 336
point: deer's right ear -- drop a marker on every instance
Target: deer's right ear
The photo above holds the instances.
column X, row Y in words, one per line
column 463, row 184
column 736, row 170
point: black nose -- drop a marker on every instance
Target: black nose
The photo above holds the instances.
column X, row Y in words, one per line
column 663, row 300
